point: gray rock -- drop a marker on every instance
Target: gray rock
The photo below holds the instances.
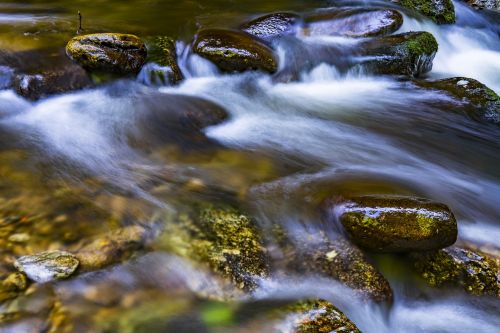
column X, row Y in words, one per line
column 47, row 266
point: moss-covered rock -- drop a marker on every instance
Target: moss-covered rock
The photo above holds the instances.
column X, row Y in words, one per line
column 341, row 260
column 440, row 11
column 108, row 52
column 484, row 103
column 397, row 224
column 162, row 51
column 484, row 4
column 234, row 51
column 315, row 316
column 354, row 22
column 408, row 53
column 460, row 266
column 272, row 25
column 225, row 239
column 48, row 266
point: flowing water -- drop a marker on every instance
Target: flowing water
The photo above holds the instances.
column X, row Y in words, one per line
column 333, row 131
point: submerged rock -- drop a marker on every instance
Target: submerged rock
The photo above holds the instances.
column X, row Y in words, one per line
column 162, row 52
column 484, row 102
column 234, row 51
column 341, row 260
column 12, row 285
column 354, row 22
column 397, row 224
column 408, row 53
column 470, row 268
column 48, row 266
column 223, row 238
column 440, row 11
column 108, row 52
column 315, row 316
column 272, row 25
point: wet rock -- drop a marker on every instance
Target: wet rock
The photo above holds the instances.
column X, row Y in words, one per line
column 272, row 25
column 12, row 285
column 108, row 52
column 223, row 238
column 110, row 248
column 38, row 73
column 341, row 260
column 440, row 11
column 409, row 53
column 484, row 102
column 354, row 22
column 162, row 52
column 463, row 266
column 234, row 51
column 397, row 224
column 484, row 4
column 316, row 316
column 47, row 266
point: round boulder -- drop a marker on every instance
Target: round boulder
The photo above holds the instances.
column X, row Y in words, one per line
column 271, row 25
column 234, row 51
column 398, row 224
column 108, row 52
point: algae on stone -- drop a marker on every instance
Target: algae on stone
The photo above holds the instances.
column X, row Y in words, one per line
column 47, row 266
column 440, row 11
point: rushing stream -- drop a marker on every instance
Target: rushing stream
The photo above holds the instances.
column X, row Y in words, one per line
column 334, row 130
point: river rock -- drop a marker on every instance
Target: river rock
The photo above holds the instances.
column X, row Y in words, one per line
column 341, row 260
column 234, row 51
column 408, row 53
column 397, row 224
column 225, row 239
column 162, row 68
column 484, row 4
column 440, row 11
column 108, row 52
column 272, row 25
column 316, row 316
column 47, row 266
column 484, row 103
column 354, row 22
column 12, row 285
column 476, row 271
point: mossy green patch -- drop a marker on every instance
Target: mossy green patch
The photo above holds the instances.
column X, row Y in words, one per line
column 440, row 11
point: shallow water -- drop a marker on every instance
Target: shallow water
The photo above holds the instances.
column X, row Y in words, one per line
column 284, row 147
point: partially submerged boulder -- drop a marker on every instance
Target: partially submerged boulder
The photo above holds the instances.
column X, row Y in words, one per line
column 397, row 224
column 108, row 52
column 162, row 52
column 408, row 53
column 234, row 51
column 484, row 103
column 476, row 271
column 48, row 266
column 272, row 25
column 225, row 239
column 354, row 22
column 440, row 11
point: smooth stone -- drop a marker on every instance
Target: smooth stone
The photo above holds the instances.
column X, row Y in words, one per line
column 440, row 11
column 47, row 266
column 465, row 266
column 354, row 22
column 108, row 52
column 397, row 224
column 234, row 51
column 484, row 102
column 272, row 25
column 408, row 53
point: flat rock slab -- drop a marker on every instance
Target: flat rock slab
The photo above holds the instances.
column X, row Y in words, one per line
column 47, row 266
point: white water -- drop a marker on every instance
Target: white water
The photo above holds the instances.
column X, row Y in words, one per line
column 345, row 126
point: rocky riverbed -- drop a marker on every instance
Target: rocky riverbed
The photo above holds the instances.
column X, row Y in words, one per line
column 294, row 166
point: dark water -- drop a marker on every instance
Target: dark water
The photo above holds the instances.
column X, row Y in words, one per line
column 69, row 159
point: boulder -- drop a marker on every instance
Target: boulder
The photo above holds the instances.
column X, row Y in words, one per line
column 408, row 53
column 272, row 25
column 396, row 224
column 484, row 4
column 234, row 51
column 47, row 266
column 108, row 52
column 465, row 266
column 440, row 11
column 354, row 22
column 162, row 67
column 483, row 102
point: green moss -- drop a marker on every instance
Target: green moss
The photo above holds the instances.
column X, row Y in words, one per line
column 424, row 43
column 440, row 11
